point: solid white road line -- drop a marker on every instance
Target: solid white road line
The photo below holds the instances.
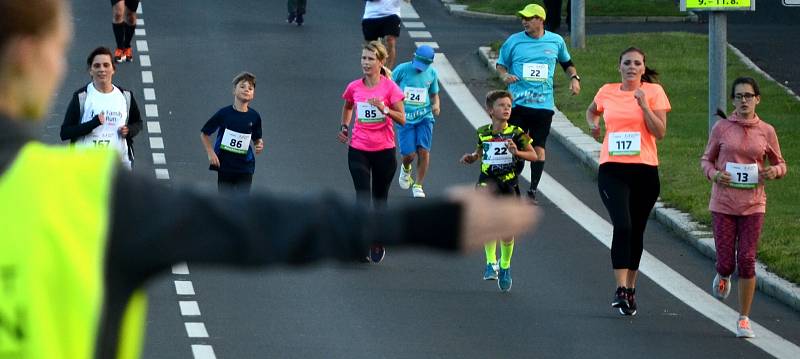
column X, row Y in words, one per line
column 672, row 281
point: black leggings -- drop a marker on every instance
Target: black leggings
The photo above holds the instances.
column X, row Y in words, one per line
column 380, row 165
column 629, row 192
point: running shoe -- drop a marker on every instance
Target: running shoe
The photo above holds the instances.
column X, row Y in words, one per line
column 376, row 253
column 417, row 192
column 299, row 20
column 491, row 271
column 532, row 197
column 631, row 310
column 721, row 286
column 128, row 54
column 119, row 55
column 504, row 279
column 743, row 329
column 290, row 18
column 405, row 179
column 620, row 300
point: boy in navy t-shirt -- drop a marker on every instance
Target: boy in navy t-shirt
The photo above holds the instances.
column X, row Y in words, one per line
column 238, row 140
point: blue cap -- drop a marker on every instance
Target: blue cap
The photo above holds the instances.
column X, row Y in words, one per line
column 423, row 58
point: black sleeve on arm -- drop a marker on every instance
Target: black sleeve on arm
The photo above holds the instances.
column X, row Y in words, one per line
column 134, row 119
column 566, row 65
column 72, row 128
column 153, row 226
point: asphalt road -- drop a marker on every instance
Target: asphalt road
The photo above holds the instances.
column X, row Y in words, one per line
column 415, row 303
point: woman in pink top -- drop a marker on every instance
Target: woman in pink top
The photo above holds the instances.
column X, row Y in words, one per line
column 734, row 161
column 635, row 116
column 377, row 101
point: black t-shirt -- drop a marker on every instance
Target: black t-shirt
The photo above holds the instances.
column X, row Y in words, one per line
column 235, row 155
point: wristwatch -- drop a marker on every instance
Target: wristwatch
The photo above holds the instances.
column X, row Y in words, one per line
column 386, row 110
column 576, row 77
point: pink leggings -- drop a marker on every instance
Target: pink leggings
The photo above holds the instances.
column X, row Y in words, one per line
column 727, row 229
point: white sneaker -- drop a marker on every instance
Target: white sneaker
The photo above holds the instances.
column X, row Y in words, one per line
column 743, row 329
column 417, row 192
column 405, row 179
column 721, row 286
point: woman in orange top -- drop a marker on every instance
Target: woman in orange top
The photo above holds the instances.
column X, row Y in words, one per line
column 635, row 115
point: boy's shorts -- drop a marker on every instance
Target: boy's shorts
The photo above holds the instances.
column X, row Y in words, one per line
column 504, row 188
column 413, row 135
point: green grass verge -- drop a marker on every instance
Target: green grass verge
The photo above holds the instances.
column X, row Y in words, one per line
column 593, row 7
column 681, row 59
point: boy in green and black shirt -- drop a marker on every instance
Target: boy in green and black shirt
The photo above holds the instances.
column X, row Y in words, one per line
column 500, row 145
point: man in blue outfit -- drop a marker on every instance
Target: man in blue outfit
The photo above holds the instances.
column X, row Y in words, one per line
column 527, row 64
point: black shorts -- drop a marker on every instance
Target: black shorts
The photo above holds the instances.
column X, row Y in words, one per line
column 507, row 188
column 132, row 5
column 534, row 121
column 380, row 27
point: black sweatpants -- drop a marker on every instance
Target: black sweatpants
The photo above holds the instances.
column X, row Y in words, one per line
column 380, row 166
column 629, row 192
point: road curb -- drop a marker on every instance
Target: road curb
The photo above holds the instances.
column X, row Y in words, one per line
column 587, row 150
column 461, row 10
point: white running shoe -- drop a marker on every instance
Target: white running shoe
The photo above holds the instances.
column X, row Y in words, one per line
column 743, row 329
column 721, row 287
column 417, row 192
column 405, row 179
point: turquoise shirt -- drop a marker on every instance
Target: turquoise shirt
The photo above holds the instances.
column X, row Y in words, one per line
column 414, row 83
column 534, row 62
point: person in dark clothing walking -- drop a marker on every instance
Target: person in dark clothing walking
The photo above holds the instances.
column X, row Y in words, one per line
column 297, row 8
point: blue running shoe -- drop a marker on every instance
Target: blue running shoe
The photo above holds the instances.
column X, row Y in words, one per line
column 491, row 272
column 504, row 279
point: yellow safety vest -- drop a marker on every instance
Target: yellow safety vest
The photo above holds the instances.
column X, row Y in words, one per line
column 54, row 218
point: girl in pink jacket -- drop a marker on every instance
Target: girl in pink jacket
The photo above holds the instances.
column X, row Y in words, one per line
column 734, row 160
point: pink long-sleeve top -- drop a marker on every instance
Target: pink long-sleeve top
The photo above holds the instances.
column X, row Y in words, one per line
column 739, row 140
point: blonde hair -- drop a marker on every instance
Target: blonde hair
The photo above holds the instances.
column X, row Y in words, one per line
column 380, row 53
column 378, row 48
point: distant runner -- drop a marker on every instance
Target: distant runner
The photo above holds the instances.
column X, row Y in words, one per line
column 420, row 84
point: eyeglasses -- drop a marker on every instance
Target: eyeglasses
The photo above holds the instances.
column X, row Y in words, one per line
column 744, row 96
column 530, row 18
